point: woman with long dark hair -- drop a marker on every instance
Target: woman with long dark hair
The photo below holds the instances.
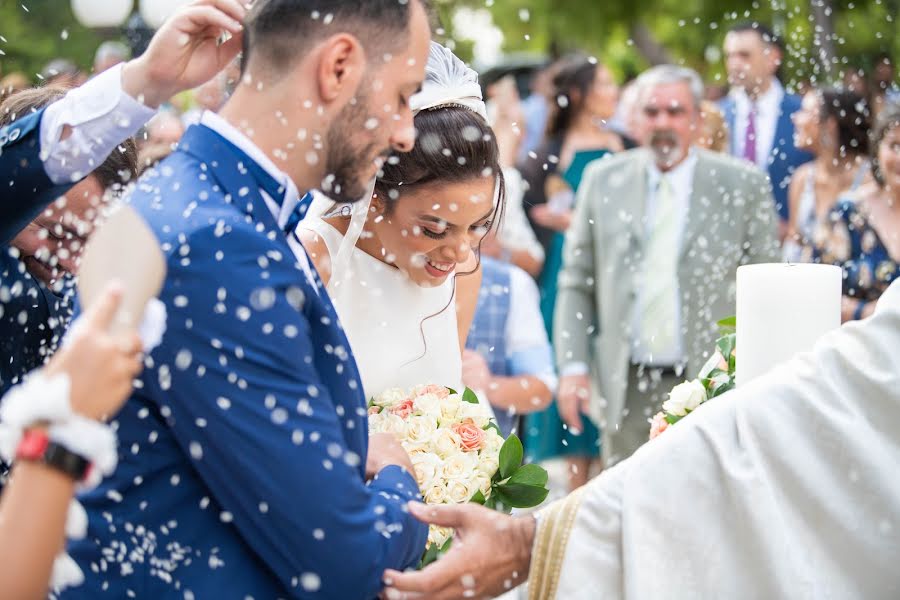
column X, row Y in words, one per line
column 833, row 125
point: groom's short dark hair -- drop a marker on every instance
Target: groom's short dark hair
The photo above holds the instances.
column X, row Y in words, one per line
column 280, row 31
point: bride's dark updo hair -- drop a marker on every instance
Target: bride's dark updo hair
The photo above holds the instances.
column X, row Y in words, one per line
column 453, row 145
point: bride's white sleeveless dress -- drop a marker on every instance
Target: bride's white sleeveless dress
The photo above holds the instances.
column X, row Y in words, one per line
column 401, row 334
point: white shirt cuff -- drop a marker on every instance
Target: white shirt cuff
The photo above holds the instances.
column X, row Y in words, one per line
column 576, row 368
column 101, row 115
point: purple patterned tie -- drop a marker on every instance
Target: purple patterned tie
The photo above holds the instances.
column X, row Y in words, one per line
column 750, row 136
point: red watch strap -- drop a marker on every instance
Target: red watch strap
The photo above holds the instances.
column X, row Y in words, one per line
column 33, row 445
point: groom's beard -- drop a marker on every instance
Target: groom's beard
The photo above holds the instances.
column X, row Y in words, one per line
column 349, row 169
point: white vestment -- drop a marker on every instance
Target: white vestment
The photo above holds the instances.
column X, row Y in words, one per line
column 785, row 488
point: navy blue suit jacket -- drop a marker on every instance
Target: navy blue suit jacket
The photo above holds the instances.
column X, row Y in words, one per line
column 243, row 449
column 784, row 158
column 25, row 188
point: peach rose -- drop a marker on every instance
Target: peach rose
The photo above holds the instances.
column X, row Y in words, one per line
column 471, row 435
column 438, row 390
column 404, row 409
column 658, row 425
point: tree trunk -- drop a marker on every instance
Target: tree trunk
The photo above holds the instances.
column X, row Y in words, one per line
column 823, row 35
column 652, row 51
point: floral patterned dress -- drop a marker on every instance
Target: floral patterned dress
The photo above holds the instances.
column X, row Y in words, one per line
column 847, row 239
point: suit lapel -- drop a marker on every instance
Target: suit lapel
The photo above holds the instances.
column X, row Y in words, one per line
column 635, row 204
column 695, row 220
column 227, row 165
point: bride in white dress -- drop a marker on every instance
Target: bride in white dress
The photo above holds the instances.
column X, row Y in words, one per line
column 402, row 270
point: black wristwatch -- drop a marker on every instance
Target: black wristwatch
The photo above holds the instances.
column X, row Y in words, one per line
column 38, row 447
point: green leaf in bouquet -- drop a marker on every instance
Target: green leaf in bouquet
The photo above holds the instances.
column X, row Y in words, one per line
column 492, row 425
column 672, row 419
column 516, row 495
column 433, row 553
column 478, row 498
column 726, row 386
column 470, row 397
column 452, row 391
column 728, row 325
column 530, row 474
column 710, row 367
column 511, row 454
column 726, row 345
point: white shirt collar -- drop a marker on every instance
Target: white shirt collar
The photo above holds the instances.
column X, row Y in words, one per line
column 244, row 143
column 766, row 104
column 679, row 178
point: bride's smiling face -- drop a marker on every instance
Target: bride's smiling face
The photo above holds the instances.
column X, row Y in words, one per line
column 431, row 231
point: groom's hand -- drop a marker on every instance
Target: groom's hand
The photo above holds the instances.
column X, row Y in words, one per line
column 573, row 400
column 385, row 450
column 186, row 51
column 490, row 554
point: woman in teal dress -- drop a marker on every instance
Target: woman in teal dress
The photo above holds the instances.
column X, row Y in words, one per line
column 862, row 234
column 587, row 97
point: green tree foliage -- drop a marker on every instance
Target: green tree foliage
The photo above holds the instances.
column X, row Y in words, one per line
column 36, row 31
column 692, row 31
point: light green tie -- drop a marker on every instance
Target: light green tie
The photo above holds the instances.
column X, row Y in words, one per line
column 660, row 278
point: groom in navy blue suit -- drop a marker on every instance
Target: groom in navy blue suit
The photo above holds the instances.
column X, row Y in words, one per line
column 246, row 468
column 758, row 109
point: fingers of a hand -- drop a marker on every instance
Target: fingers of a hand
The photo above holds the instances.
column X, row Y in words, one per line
column 230, row 49
column 102, row 313
column 197, row 19
column 430, row 583
column 233, row 8
column 444, row 515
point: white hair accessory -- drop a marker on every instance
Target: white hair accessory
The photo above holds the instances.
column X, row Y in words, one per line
column 448, row 82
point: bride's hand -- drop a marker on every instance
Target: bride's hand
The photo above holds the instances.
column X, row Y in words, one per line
column 385, row 450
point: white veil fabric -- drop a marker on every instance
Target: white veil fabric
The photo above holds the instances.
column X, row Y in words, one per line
column 448, row 82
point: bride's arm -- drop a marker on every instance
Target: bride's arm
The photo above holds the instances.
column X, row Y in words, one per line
column 317, row 251
column 468, row 284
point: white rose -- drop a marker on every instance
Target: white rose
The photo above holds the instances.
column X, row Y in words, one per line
column 426, row 467
column 376, row 422
column 458, row 466
column 445, row 442
column 428, row 404
column 395, row 425
column 450, row 407
column 421, row 429
column 437, row 493
column 390, row 397
column 493, row 441
column 684, row 398
column 488, row 464
column 438, row 536
column 458, row 492
column 478, row 413
column 483, row 483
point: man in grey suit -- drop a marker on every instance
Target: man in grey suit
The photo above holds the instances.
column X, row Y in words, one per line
column 650, row 262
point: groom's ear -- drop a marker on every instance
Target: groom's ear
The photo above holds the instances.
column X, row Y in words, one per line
column 341, row 65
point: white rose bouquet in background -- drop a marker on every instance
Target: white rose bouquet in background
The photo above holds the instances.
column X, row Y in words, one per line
column 457, row 453
column 716, row 378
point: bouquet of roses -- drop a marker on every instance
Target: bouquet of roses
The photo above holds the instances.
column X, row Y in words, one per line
column 457, row 453
column 716, row 378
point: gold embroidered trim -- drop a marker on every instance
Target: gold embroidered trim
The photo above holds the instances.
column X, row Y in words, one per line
column 551, row 538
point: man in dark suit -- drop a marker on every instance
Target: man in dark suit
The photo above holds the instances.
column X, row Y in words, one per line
column 37, row 267
column 44, row 153
column 247, row 467
column 758, row 109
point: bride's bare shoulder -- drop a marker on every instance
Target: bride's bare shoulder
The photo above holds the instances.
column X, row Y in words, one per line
column 318, row 252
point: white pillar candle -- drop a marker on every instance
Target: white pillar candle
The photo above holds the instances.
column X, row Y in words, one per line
column 783, row 309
